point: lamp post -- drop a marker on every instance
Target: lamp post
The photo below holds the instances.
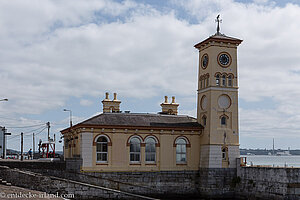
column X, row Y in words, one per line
column 66, row 110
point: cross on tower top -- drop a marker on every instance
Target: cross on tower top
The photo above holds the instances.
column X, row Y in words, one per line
column 218, row 20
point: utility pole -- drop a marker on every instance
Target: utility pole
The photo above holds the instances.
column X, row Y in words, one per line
column 22, row 146
column 48, row 125
column 33, row 145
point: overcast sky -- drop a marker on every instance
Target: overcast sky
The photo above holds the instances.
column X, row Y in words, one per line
column 67, row 54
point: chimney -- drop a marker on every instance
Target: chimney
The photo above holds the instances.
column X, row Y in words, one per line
column 166, row 99
column 106, row 96
column 115, row 97
column 110, row 106
column 169, row 108
column 173, row 99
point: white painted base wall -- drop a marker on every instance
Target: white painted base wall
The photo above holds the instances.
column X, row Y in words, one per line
column 211, row 156
column 233, row 154
column 86, row 150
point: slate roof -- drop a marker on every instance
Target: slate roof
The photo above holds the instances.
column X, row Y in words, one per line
column 141, row 120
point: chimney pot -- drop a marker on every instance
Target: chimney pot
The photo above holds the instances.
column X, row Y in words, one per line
column 166, row 99
column 115, row 96
column 173, row 99
column 106, row 96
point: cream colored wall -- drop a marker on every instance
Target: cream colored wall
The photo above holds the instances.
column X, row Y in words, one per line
column 118, row 152
column 213, row 134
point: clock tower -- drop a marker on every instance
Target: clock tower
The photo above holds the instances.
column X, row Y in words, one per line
column 217, row 108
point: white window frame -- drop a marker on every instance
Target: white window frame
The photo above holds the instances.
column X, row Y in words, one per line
column 102, row 152
column 181, row 145
column 150, row 153
column 135, row 152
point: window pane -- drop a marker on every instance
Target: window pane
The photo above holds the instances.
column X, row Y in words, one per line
column 134, row 157
column 98, row 147
column 224, row 80
column 178, row 157
column 229, row 81
column 152, row 157
column 183, row 158
column 135, row 148
column 131, row 157
column 132, row 148
column 223, row 121
column 148, row 148
column 150, row 140
column 135, row 140
column 148, row 157
column 137, row 157
column 104, row 147
column 183, row 148
column 101, row 139
column 104, row 157
column 180, row 141
column 152, row 148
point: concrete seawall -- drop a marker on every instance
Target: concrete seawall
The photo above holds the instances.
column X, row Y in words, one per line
column 268, row 183
column 56, row 185
column 241, row 183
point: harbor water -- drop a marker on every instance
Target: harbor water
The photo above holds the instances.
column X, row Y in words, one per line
column 273, row 160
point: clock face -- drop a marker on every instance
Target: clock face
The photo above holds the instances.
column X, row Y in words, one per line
column 224, row 59
column 224, row 101
column 204, row 61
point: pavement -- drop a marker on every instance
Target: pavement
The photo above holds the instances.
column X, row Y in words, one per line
column 17, row 193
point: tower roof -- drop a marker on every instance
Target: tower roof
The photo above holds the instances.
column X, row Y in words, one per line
column 219, row 37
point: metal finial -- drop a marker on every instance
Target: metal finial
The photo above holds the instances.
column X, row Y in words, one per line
column 218, row 20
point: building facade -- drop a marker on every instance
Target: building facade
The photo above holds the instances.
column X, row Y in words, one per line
column 117, row 141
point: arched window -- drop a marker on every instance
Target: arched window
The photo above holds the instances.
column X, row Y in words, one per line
column 101, row 149
column 204, row 120
column 224, row 80
column 150, row 150
column 229, row 81
column 223, row 120
column 181, row 150
column 135, row 149
column 218, row 80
